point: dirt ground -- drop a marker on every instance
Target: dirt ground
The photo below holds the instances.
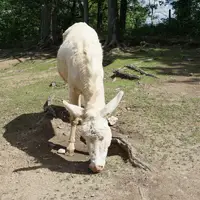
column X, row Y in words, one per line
column 31, row 169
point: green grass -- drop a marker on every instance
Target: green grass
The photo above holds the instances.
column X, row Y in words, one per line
column 161, row 121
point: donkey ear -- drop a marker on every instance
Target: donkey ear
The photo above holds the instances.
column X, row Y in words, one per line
column 112, row 105
column 74, row 110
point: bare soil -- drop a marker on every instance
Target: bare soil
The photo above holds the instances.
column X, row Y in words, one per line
column 31, row 169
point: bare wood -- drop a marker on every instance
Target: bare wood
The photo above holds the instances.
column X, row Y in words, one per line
column 136, row 162
column 118, row 73
column 47, row 106
column 133, row 67
column 142, row 193
column 119, row 140
column 19, row 60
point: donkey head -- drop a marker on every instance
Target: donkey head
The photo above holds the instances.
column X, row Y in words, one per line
column 96, row 131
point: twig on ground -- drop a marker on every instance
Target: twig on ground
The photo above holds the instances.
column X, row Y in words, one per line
column 142, row 193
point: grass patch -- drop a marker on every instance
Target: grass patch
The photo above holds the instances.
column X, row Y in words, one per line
column 153, row 115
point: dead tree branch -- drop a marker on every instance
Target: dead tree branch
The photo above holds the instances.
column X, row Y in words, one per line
column 133, row 67
column 119, row 73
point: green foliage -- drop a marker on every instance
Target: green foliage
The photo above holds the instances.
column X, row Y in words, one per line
column 19, row 22
column 187, row 16
column 93, row 15
column 136, row 16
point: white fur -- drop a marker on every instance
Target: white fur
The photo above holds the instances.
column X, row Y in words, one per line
column 80, row 64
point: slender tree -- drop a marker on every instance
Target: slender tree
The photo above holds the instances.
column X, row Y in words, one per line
column 99, row 15
column 73, row 11
column 86, row 15
column 113, row 24
column 46, row 23
column 81, row 8
column 122, row 20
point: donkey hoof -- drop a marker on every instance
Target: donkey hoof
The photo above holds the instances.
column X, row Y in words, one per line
column 70, row 152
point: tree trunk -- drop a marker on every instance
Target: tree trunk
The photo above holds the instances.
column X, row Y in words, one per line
column 122, row 21
column 113, row 25
column 86, row 17
column 73, row 12
column 99, row 15
column 169, row 20
column 47, row 22
column 81, row 8
column 54, row 22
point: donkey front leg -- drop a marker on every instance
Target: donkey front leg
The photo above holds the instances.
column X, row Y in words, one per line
column 72, row 136
column 75, row 99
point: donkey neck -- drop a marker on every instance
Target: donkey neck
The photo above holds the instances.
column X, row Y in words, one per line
column 95, row 101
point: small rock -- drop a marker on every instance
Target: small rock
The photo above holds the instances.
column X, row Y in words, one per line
column 117, row 89
column 61, row 151
column 60, row 127
column 114, row 79
column 92, row 195
column 128, row 108
column 112, row 120
column 149, row 59
column 53, row 84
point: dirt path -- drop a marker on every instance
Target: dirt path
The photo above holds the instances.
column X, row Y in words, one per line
column 31, row 169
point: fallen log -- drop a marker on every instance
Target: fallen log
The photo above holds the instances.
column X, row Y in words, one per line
column 133, row 67
column 123, row 75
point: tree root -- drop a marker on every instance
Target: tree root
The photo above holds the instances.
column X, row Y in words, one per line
column 113, row 43
column 54, row 111
column 60, row 112
column 142, row 193
column 133, row 67
column 136, row 162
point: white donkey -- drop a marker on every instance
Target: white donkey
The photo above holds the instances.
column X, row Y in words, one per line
column 80, row 65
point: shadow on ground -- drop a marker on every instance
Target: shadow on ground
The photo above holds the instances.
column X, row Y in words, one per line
column 173, row 60
column 191, row 81
column 26, row 134
column 31, row 53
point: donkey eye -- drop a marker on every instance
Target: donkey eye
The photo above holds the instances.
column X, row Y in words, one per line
column 92, row 139
column 101, row 138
